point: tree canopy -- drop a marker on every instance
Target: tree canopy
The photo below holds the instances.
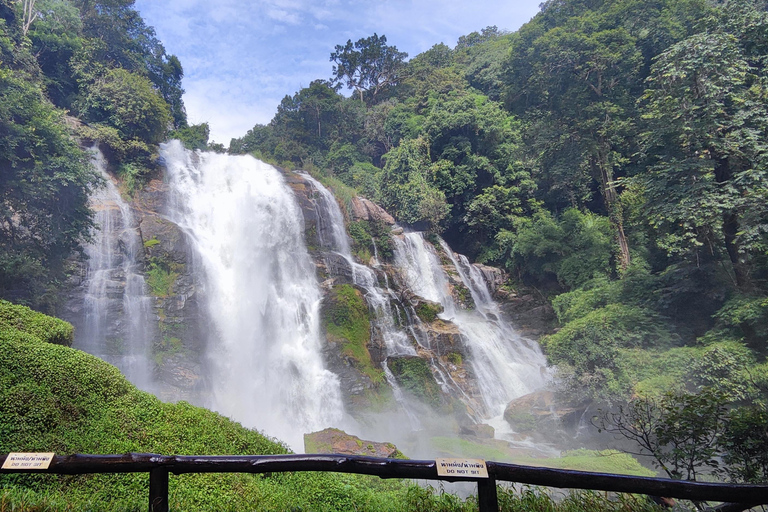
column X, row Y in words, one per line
column 369, row 65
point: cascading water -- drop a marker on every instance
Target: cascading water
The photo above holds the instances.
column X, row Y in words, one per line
column 333, row 237
column 117, row 321
column 505, row 364
column 331, row 222
column 264, row 358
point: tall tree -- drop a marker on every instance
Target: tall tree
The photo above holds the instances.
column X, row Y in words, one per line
column 368, row 65
column 707, row 151
column 44, row 186
column 580, row 81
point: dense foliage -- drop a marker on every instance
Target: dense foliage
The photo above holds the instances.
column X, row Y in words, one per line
column 610, row 154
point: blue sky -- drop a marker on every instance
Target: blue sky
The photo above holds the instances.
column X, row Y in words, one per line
column 241, row 57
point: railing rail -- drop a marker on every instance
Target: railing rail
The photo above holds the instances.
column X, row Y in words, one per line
column 160, row 466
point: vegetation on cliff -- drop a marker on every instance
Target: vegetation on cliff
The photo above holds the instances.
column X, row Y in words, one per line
column 346, row 320
column 99, row 63
column 414, row 376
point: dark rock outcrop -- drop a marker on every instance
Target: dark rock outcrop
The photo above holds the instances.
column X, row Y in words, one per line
column 181, row 334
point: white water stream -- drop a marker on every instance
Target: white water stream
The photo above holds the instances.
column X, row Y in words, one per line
column 379, row 299
column 505, row 364
column 117, row 312
column 264, row 358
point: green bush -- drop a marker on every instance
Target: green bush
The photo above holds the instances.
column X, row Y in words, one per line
column 428, row 311
column 29, row 322
column 161, row 277
column 594, row 340
column 362, row 240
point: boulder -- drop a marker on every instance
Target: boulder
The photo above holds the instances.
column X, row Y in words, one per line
column 493, row 277
column 333, row 440
column 533, row 316
column 442, row 337
column 539, row 413
column 363, row 209
column 478, row 430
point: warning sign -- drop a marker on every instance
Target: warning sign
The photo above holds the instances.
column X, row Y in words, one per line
column 28, row 461
column 462, row 468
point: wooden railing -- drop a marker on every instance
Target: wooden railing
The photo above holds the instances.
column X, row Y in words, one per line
column 160, row 466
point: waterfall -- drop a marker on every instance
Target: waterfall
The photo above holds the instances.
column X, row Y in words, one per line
column 264, row 358
column 333, row 236
column 505, row 364
column 117, row 320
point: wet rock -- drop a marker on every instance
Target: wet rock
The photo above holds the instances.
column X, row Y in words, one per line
column 442, row 337
column 426, row 310
column 337, row 266
column 532, row 315
column 540, row 413
column 493, row 277
column 333, row 440
column 478, row 430
column 356, row 387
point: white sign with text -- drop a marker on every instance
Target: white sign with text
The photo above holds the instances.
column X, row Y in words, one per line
column 28, row 461
column 462, row 468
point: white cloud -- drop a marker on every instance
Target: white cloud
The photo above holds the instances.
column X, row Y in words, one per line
column 241, row 57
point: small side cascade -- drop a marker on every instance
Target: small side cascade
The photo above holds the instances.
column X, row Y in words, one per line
column 117, row 321
column 379, row 300
column 505, row 364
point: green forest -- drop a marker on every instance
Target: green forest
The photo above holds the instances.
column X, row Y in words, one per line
column 610, row 155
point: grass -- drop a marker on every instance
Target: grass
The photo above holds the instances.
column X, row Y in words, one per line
column 599, row 461
column 414, row 376
column 161, row 278
column 54, row 398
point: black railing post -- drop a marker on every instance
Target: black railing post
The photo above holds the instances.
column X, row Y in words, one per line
column 487, row 499
column 158, row 490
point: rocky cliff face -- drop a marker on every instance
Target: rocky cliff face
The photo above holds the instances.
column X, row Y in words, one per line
column 436, row 342
column 174, row 280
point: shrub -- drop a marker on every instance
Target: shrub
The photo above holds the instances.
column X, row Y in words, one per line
column 31, row 323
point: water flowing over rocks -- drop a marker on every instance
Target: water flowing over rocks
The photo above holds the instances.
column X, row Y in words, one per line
column 432, row 341
column 181, row 337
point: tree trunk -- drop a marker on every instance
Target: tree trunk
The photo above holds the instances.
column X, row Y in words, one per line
column 730, row 231
column 614, row 211
column 28, row 6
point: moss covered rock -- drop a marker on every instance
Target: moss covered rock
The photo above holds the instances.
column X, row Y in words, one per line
column 333, row 440
column 414, row 376
column 428, row 310
column 347, row 321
